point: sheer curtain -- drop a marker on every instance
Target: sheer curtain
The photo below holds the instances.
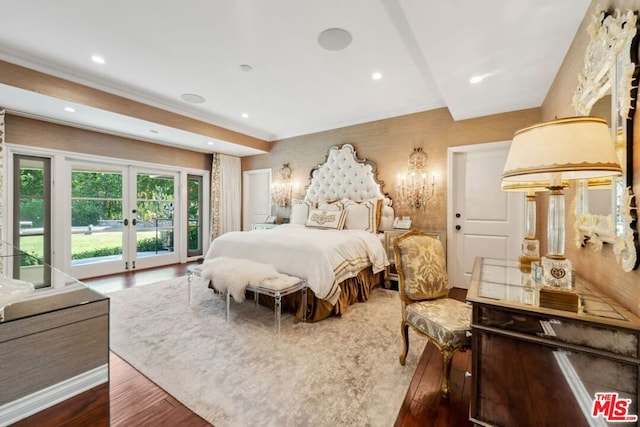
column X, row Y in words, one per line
column 226, row 190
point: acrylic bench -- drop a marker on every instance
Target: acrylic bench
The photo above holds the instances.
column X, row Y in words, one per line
column 276, row 288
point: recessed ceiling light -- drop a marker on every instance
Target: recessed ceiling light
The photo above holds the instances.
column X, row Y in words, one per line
column 98, row 59
column 476, row 79
column 334, row 39
column 245, row 116
column 69, row 109
column 376, row 76
column 246, row 67
column 192, row 98
column 210, row 142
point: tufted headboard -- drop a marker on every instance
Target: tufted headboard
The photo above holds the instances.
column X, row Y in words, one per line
column 344, row 176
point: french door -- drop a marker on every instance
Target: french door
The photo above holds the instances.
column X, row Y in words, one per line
column 122, row 218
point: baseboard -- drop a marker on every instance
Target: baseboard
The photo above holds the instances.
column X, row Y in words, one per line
column 47, row 397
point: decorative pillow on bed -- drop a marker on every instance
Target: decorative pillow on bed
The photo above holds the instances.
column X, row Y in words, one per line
column 300, row 211
column 322, row 218
column 361, row 216
column 338, row 205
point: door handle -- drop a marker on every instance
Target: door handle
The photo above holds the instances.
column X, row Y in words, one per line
column 458, row 227
column 126, row 221
column 134, row 222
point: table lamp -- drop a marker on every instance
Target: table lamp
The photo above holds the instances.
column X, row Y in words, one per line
column 530, row 244
column 552, row 152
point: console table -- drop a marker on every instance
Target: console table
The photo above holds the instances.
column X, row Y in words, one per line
column 538, row 366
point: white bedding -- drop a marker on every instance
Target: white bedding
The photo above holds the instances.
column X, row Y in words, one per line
column 324, row 258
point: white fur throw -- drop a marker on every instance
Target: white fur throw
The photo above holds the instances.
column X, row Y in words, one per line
column 236, row 274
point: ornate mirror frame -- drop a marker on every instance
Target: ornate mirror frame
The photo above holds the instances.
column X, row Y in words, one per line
column 610, row 67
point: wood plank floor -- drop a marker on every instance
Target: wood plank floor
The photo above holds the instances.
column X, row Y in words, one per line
column 137, row 401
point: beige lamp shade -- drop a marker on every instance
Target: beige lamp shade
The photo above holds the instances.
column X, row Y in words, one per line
column 570, row 148
column 528, row 186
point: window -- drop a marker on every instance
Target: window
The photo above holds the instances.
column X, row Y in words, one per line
column 32, row 219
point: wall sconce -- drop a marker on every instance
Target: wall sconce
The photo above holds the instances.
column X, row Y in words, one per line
column 417, row 186
column 563, row 149
column 281, row 190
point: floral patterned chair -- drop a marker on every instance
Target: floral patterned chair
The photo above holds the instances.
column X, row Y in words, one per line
column 423, row 288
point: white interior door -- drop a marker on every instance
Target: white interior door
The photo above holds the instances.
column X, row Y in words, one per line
column 483, row 220
column 256, row 196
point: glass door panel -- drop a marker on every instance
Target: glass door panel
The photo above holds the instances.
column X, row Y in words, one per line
column 194, row 215
column 98, row 231
column 154, row 218
column 32, row 219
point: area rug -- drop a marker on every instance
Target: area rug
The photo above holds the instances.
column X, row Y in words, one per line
column 342, row 371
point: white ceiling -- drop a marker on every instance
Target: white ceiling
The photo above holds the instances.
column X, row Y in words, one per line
column 157, row 50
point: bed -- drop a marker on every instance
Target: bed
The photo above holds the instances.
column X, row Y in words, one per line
column 332, row 241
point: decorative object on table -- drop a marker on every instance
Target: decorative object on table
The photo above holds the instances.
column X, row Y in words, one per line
column 13, row 290
column 562, row 149
column 559, row 299
column 403, row 223
column 417, row 186
column 281, row 190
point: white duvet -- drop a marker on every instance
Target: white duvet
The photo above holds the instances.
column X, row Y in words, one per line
column 324, row 258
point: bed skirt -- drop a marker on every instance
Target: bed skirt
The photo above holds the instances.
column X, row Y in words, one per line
column 355, row 289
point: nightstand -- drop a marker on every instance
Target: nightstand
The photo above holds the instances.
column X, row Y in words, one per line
column 263, row 226
column 390, row 272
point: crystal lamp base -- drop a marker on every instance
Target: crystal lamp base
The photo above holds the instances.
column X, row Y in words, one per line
column 558, row 272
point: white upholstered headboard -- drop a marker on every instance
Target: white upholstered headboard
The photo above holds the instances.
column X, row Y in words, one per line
column 344, row 176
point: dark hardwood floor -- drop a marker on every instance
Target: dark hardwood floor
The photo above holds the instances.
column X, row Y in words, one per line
column 135, row 400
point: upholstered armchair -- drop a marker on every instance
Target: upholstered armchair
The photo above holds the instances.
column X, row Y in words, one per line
column 423, row 287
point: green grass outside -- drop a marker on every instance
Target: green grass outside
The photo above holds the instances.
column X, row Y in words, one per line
column 81, row 242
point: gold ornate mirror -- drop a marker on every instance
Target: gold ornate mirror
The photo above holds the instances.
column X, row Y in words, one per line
column 606, row 88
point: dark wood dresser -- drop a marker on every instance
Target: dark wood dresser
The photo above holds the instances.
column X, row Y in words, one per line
column 539, row 366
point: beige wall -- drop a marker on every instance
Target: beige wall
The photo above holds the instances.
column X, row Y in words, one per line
column 389, row 142
column 25, row 131
column 600, row 267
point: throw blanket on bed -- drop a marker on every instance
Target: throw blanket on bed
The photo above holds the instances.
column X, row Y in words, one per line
column 323, row 258
column 236, row 274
